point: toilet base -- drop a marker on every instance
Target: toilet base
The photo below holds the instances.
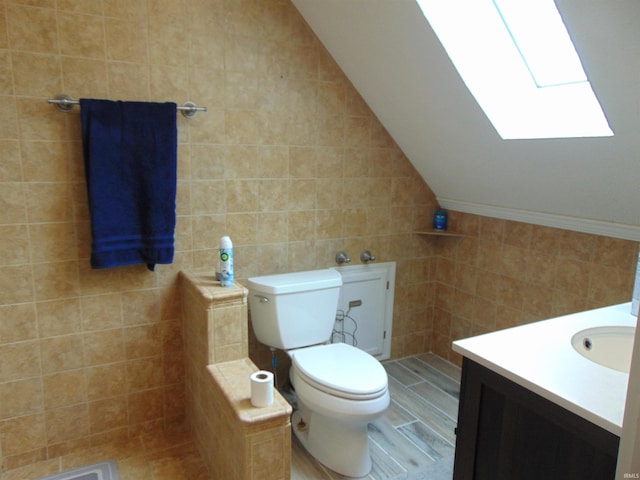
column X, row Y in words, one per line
column 341, row 446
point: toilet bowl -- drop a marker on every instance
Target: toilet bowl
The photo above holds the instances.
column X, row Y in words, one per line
column 335, row 406
column 339, row 388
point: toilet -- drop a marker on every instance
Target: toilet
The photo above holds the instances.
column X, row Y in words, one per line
column 340, row 389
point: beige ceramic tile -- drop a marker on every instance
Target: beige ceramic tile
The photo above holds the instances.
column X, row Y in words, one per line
column 12, row 208
column 85, row 77
column 16, row 285
column 272, row 227
column 125, row 8
column 274, row 194
column 64, row 389
column 38, row 123
column 302, row 255
column 169, row 40
column 104, row 346
column 3, row 27
column 106, row 381
column 242, row 228
column 108, row 414
column 126, row 40
column 32, row 29
column 58, row 317
column 36, row 74
column 615, row 252
column 169, row 83
column 302, row 194
column 52, row 242
column 241, row 90
column 329, row 224
column 17, row 323
column 67, row 423
column 242, row 195
column 87, row 41
column 207, row 229
column 517, row 234
column 55, row 169
column 48, row 202
column 300, row 225
column 140, row 307
column 241, row 126
column 14, row 245
column 137, row 277
column 101, row 312
column 23, row 434
column 211, row 127
column 55, row 280
column 81, row 6
column 21, row 397
column 207, row 40
column 128, row 81
column 228, row 326
column 606, row 283
column 208, row 161
column 6, row 81
column 97, row 282
column 61, row 353
column 8, row 118
column 144, row 406
column 207, row 84
column 144, row 373
column 142, row 341
column 302, row 162
column 10, row 170
column 207, row 197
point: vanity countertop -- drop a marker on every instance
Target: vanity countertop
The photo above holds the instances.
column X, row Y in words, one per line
column 539, row 357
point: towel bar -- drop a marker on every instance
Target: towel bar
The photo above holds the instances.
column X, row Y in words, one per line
column 64, row 103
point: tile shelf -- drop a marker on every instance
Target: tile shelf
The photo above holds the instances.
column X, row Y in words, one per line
column 440, row 233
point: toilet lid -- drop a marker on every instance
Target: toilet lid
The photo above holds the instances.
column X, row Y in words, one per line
column 341, row 369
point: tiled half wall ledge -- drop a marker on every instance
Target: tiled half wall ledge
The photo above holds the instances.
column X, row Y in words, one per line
column 236, row 440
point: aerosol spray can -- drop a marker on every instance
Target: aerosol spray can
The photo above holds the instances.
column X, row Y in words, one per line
column 226, row 262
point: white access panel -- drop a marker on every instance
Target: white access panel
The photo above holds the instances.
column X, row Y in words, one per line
column 365, row 308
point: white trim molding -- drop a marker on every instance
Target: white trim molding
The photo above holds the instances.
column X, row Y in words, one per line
column 595, row 227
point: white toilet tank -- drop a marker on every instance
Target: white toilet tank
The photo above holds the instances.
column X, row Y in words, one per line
column 294, row 310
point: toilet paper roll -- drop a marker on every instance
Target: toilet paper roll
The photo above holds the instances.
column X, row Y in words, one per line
column 261, row 388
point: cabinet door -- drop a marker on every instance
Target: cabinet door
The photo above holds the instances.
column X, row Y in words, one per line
column 365, row 308
column 507, row 432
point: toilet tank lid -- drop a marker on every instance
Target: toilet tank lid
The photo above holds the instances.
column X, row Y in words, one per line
column 296, row 281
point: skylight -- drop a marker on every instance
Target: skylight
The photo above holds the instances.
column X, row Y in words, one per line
column 518, row 61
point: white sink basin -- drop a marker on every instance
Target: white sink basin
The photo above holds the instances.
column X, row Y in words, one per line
column 610, row 347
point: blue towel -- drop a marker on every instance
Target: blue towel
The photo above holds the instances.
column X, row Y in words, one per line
column 130, row 166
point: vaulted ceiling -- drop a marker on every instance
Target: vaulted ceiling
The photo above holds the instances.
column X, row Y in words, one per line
column 391, row 55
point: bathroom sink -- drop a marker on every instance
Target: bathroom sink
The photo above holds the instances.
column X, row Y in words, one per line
column 610, row 346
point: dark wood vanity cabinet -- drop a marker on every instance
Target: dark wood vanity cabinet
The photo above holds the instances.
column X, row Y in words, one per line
column 507, row 432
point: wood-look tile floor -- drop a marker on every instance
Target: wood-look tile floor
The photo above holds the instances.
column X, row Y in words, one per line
column 414, row 440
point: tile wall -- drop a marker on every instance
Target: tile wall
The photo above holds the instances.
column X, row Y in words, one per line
column 288, row 161
column 503, row 274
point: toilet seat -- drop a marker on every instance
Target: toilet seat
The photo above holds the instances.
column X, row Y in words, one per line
column 341, row 370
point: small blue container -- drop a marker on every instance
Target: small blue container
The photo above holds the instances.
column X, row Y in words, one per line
column 440, row 220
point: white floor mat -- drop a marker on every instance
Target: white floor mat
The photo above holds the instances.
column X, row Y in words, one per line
column 98, row 471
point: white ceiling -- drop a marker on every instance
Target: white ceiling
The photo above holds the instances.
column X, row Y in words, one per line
column 396, row 62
